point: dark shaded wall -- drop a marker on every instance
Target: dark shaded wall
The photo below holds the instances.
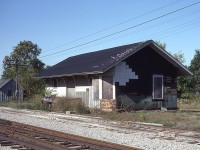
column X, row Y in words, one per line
column 138, row 92
column 7, row 92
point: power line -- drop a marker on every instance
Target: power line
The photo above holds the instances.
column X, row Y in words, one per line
column 169, row 31
column 151, row 20
column 172, row 31
column 180, row 30
column 105, row 29
column 161, row 23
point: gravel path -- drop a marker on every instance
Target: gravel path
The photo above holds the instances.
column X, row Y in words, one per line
column 129, row 133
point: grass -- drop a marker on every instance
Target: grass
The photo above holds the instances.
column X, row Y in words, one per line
column 189, row 104
column 183, row 120
column 33, row 103
column 178, row 119
column 60, row 104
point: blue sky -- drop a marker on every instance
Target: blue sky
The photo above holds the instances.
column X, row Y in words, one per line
column 55, row 25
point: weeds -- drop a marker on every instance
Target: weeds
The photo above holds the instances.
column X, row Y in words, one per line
column 189, row 104
column 178, row 119
column 63, row 104
column 33, row 103
column 60, row 105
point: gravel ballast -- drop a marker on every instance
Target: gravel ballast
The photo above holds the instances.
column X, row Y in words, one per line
column 131, row 134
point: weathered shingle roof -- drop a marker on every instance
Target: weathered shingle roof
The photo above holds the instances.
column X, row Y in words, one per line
column 100, row 61
column 4, row 82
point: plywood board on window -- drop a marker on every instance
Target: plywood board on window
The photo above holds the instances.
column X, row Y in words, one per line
column 107, row 87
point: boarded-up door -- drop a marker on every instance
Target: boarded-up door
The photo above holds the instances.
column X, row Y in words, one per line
column 95, row 84
column 107, row 87
column 95, row 103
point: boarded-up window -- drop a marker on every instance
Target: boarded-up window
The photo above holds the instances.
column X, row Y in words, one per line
column 107, row 87
column 157, row 87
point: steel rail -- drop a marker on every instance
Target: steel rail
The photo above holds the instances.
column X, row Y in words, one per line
column 28, row 141
column 28, row 133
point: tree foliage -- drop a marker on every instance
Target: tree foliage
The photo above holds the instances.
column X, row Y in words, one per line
column 195, row 68
column 25, row 56
column 162, row 45
column 180, row 57
column 189, row 84
column 183, row 83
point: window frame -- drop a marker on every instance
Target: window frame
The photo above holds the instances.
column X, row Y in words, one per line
column 162, row 77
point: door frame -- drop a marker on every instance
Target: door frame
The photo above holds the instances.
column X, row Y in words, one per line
column 158, row 76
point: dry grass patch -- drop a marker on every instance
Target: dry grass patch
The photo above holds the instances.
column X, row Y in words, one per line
column 189, row 104
column 60, row 104
column 176, row 119
column 63, row 104
column 33, row 103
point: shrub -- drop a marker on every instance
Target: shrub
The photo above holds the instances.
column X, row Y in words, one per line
column 63, row 104
column 33, row 102
column 81, row 109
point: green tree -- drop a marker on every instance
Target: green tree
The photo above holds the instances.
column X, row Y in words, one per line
column 183, row 83
column 180, row 57
column 25, row 56
column 162, row 45
column 195, row 68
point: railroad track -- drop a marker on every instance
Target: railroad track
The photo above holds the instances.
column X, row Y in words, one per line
column 22, row 136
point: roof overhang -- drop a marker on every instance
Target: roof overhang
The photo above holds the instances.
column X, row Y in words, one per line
column 68, row 75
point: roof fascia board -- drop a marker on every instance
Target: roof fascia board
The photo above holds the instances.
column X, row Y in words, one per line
column 68, row 75
column 4, row 83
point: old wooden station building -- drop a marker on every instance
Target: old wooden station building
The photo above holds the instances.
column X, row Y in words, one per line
column 138, row 76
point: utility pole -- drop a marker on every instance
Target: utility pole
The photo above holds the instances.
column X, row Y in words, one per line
column 17, row 78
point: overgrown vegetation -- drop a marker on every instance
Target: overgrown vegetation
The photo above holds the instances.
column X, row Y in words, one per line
column 178, row 119
column 190, row 101
column 33, row 103
column 60, row 104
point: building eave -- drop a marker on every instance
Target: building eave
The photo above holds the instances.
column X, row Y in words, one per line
column 68, row 75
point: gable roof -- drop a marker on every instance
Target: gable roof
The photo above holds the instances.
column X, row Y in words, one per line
column 103, row 60
column 4, row 82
